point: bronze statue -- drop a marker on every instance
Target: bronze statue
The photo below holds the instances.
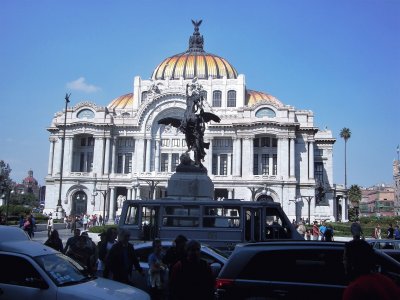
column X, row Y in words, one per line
column 193, row 123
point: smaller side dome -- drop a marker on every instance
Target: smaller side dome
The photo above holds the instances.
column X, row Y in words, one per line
column 253, row 97
column 121, row 102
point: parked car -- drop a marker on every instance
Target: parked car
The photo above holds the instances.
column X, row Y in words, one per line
column 31, row 270
column 11, row 233
column 215, row 258
column 388, row 246
column 290, row 270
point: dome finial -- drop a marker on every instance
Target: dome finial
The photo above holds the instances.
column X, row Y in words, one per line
column 196, row 41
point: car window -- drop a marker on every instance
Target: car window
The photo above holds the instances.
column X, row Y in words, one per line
column 22, row 272
column 305, row 266
column 62, row 269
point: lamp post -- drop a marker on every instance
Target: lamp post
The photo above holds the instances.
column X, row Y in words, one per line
column 104, row 193
column 135, row 185
column 59, row 209
column 152, row 186
column 308, row 199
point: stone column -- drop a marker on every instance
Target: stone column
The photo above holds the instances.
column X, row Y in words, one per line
column 113, row 155
column 57, row 157
column 230, row 193
column 139, row 150
column 271, row 164
column 51, row 157
column 229, row 164
column 106, row 168
column 157, row 155
column 248, row 156
column 169, row 163
column 237, row 155
column 111, row 212
column 311, row 160
column 210, row 158
column 148, row 155
column 343, row 200
column 129, row 196
column 292, row 158
column 283, row 157
column 98, row 156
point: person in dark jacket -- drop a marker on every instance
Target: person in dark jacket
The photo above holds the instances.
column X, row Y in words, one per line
column 192, row 277
column 356, row 230
column 121, row 259
column 54, row 241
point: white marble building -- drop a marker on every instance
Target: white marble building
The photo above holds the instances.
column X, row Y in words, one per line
column 262, row 149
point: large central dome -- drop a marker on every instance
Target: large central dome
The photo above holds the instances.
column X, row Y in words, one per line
column 195, row 62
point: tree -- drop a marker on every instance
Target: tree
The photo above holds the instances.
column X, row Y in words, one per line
column 355, row 194
column 5, row 171
column 345, row 133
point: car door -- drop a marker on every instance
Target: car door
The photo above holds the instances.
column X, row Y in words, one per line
column 22, row 280
column 293, row 274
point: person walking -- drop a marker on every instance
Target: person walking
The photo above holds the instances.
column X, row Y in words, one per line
column 377, row 232
column 328, row 234
column 54, row 241
column 191, row 277
column 50, row 224
column 396, row 233
column 390, row 231
column 107, row 240
column 72, row 240
column 365, row 283
column 157, row 271
column 356, row 230
column 121, row 259
column 315, row 231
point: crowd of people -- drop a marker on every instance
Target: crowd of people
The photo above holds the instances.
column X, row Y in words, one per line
column 317, row 232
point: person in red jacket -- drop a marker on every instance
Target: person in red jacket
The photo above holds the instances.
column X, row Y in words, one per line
column 359, row 263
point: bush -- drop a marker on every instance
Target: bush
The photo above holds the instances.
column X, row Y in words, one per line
column 100, row 229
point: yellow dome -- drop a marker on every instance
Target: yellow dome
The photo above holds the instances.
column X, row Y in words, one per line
column 252, row 97
column 195, row 62
column 121, row 102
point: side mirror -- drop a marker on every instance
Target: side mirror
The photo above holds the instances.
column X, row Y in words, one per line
column 215, row 268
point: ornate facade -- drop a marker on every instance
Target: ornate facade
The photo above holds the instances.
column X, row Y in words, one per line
column 261, row 150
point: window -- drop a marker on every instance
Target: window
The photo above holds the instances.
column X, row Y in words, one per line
column 256, row 142
column 217, row 96
column 128, row 163
column 318, row 152
column 265, row 164
column 164, row 162
column 175, row 142
column 223, row 164
column 265, row 112
column 124, row 163
column 231, row 99
column 255, row 164
column 83, row 141
column 90, row 141
column 175, row 161
column 165, row 142
column 221, row 216
column 274, row 142
column 132, row 216
column 85, row 114
column 21, row 273
column 214, row 164
column 319, row 171
column 181, row 216
column 265, row 142
column 144, row 96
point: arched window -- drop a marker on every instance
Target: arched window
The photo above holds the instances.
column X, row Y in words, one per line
column 144, row 96
column 265, row 112
column 231, row 99
column 217, row 95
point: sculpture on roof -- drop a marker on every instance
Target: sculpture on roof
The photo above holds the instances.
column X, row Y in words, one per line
column 193, row 124
column 196, row 41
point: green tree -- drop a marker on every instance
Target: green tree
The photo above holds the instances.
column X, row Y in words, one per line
column 5, row 171
column 345, row 133
column 355, row 194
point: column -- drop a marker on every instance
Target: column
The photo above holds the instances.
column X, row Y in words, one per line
column 51, row 157
column 311, row 160
column 237, row 156
column 157, row 155
column 139, row 154
column 169, row 163
column 98, row 156
column 67, row 155
column 247, row 157
column 210, row 158
column 292, row 158
column 114, row 150
column 343, row 200
column 129, row 197
column 230, row 193
column 229, row 164
column 57, row 157
column 111, row 212
column 271, row 164
column 106, row 167
column 148, row 155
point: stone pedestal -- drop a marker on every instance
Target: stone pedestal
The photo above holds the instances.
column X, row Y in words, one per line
column 190, row 186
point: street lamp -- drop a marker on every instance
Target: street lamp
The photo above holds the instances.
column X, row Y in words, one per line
column 104, row 193
column 151, row 183
column 135, row 185
column 59, row 209
column 308, row 199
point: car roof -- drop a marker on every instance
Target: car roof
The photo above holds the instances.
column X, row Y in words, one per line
column 383, row 241
column 290, row 243
column 11, row 233
column 30, row 248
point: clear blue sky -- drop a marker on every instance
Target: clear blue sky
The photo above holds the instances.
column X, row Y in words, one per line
column 340, row 59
